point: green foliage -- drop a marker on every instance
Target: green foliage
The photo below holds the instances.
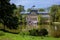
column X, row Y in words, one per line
column 43, row 32
column 55, row 13
column 55, row 17
column 39, row 18
column 36, row 32
column 24, row 19
column 12, row 23
column 21, row 8
column 17, row 11
column 6, row 14
column 41, row 10
column 13, row 31
column 33, row 32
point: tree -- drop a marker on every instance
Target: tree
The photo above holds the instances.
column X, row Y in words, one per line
column 55, row 13
column 28, row 10
column 6, row 14
column 21, row 8
column 17, row 12
column 41, row 10
column 55, row 19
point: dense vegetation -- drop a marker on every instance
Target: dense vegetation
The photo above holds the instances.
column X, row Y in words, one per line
column 55, row 13
column 41, row 32
column 12, row 21
column 6, row 14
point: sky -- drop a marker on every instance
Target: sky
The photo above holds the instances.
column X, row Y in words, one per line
column 38, row 3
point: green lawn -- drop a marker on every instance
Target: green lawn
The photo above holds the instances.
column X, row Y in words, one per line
column 9, row 36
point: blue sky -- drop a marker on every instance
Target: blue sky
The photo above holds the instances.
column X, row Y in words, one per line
column 37, row 3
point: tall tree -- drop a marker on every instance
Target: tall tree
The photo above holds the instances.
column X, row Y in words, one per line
column 55, row 13
column 21, row 8
column 17, row 12
column 6, row 14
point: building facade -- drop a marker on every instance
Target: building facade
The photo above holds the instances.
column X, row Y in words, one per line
column 33, row 16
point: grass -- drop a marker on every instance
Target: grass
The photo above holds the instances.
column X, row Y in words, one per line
column 9, row 36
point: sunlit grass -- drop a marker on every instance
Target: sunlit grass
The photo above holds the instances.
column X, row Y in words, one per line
column 10, row 36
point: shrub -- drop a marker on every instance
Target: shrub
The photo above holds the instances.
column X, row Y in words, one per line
column 43, row 32
column 36, row 32
column 33, row 32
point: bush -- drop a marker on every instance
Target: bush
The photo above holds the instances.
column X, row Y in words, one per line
column 36, row 32
column 43, row 32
